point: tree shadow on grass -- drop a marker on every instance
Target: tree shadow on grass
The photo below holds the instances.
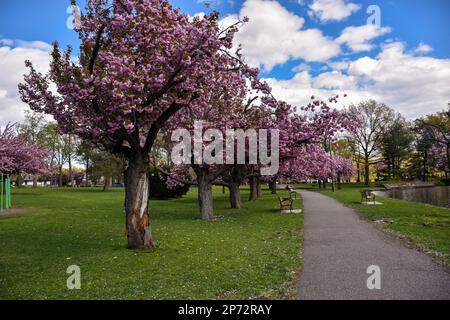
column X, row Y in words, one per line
column 27, row 194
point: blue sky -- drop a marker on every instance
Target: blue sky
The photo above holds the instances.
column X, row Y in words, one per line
column 408, row 24
column 412, row 21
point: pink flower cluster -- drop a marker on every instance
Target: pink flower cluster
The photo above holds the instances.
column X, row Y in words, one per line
column 145, row 66
column 18, row 155
column 140, row 62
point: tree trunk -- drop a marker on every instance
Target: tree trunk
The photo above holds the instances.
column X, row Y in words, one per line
column 425, row 171
column 87, row 171
column 205, row 196
column 19, row 180
column 106, row 184
column 253, row 189
column 60, row 182
column 258, row 188
column 339, row 186
column 366, row 171
column 395, row 168
column 35, row 181
column 388, row 169
column 273, row 186
column 235, row 195
column 205, row 199
column 136, row 203
column 358, row 169
column 70, row 172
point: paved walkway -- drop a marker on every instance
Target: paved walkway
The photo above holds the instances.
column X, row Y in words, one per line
column 10, row 212
column 338, row 248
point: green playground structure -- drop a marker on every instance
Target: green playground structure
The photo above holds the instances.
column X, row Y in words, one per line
column 5, row 191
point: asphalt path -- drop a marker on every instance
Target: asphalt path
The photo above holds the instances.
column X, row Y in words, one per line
column 339, row 247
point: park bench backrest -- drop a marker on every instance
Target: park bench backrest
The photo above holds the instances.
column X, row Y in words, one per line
column 283, row 200
column 366, row 194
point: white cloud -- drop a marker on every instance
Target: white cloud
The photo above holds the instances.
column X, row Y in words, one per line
column 332, row 10
column 274, row 35
column 423, row 48
column 334, row 80
column 413, row 85
column 13, row 68
column 301, row 67
column 6, row 42
column 358, row 38
column 40, row 45
column 339, row 65
column 363, row 66
column 200, row 15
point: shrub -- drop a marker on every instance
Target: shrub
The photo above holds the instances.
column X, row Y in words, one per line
column 159, row 189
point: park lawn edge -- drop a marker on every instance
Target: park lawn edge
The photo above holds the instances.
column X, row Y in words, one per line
column 408, row 241
column 411, row 243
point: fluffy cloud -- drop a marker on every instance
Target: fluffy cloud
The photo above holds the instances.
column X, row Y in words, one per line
column 274, row 35
column 332, row 10
column 363, row 66
column 26, row 44
column 423, row 48
column 358, row 38
column 334, row 80
column 339, row 65
column 301, row 67
column 413, row 85
column 200, row 15
column 12, row 68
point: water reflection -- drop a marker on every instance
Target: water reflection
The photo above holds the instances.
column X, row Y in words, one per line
column 438, row 196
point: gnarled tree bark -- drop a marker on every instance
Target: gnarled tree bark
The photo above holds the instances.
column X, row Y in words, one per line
column 253, row 189
column 258, row 188
column 273, row 185
column 136, row 203
column 205, row 197
column 235, row 195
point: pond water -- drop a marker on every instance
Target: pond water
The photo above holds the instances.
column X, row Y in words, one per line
column 438, row 196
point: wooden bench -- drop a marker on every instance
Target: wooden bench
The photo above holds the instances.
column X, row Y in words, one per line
column 291, row 192
column 286, row 203
column 366, row 196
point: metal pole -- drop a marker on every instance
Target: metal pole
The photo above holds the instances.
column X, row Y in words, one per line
column 1, row 191
column 8, row 193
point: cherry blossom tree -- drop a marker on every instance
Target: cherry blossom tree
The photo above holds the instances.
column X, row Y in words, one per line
column 439, row 157
column 228, row 107
column 140, row 63
column 343, row 169
column 255, row 115
column 303, row 133
column 436, row 129
column 18, row 155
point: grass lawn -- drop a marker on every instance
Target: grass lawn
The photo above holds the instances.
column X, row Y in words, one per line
column 252, row 253
column 424, row 226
